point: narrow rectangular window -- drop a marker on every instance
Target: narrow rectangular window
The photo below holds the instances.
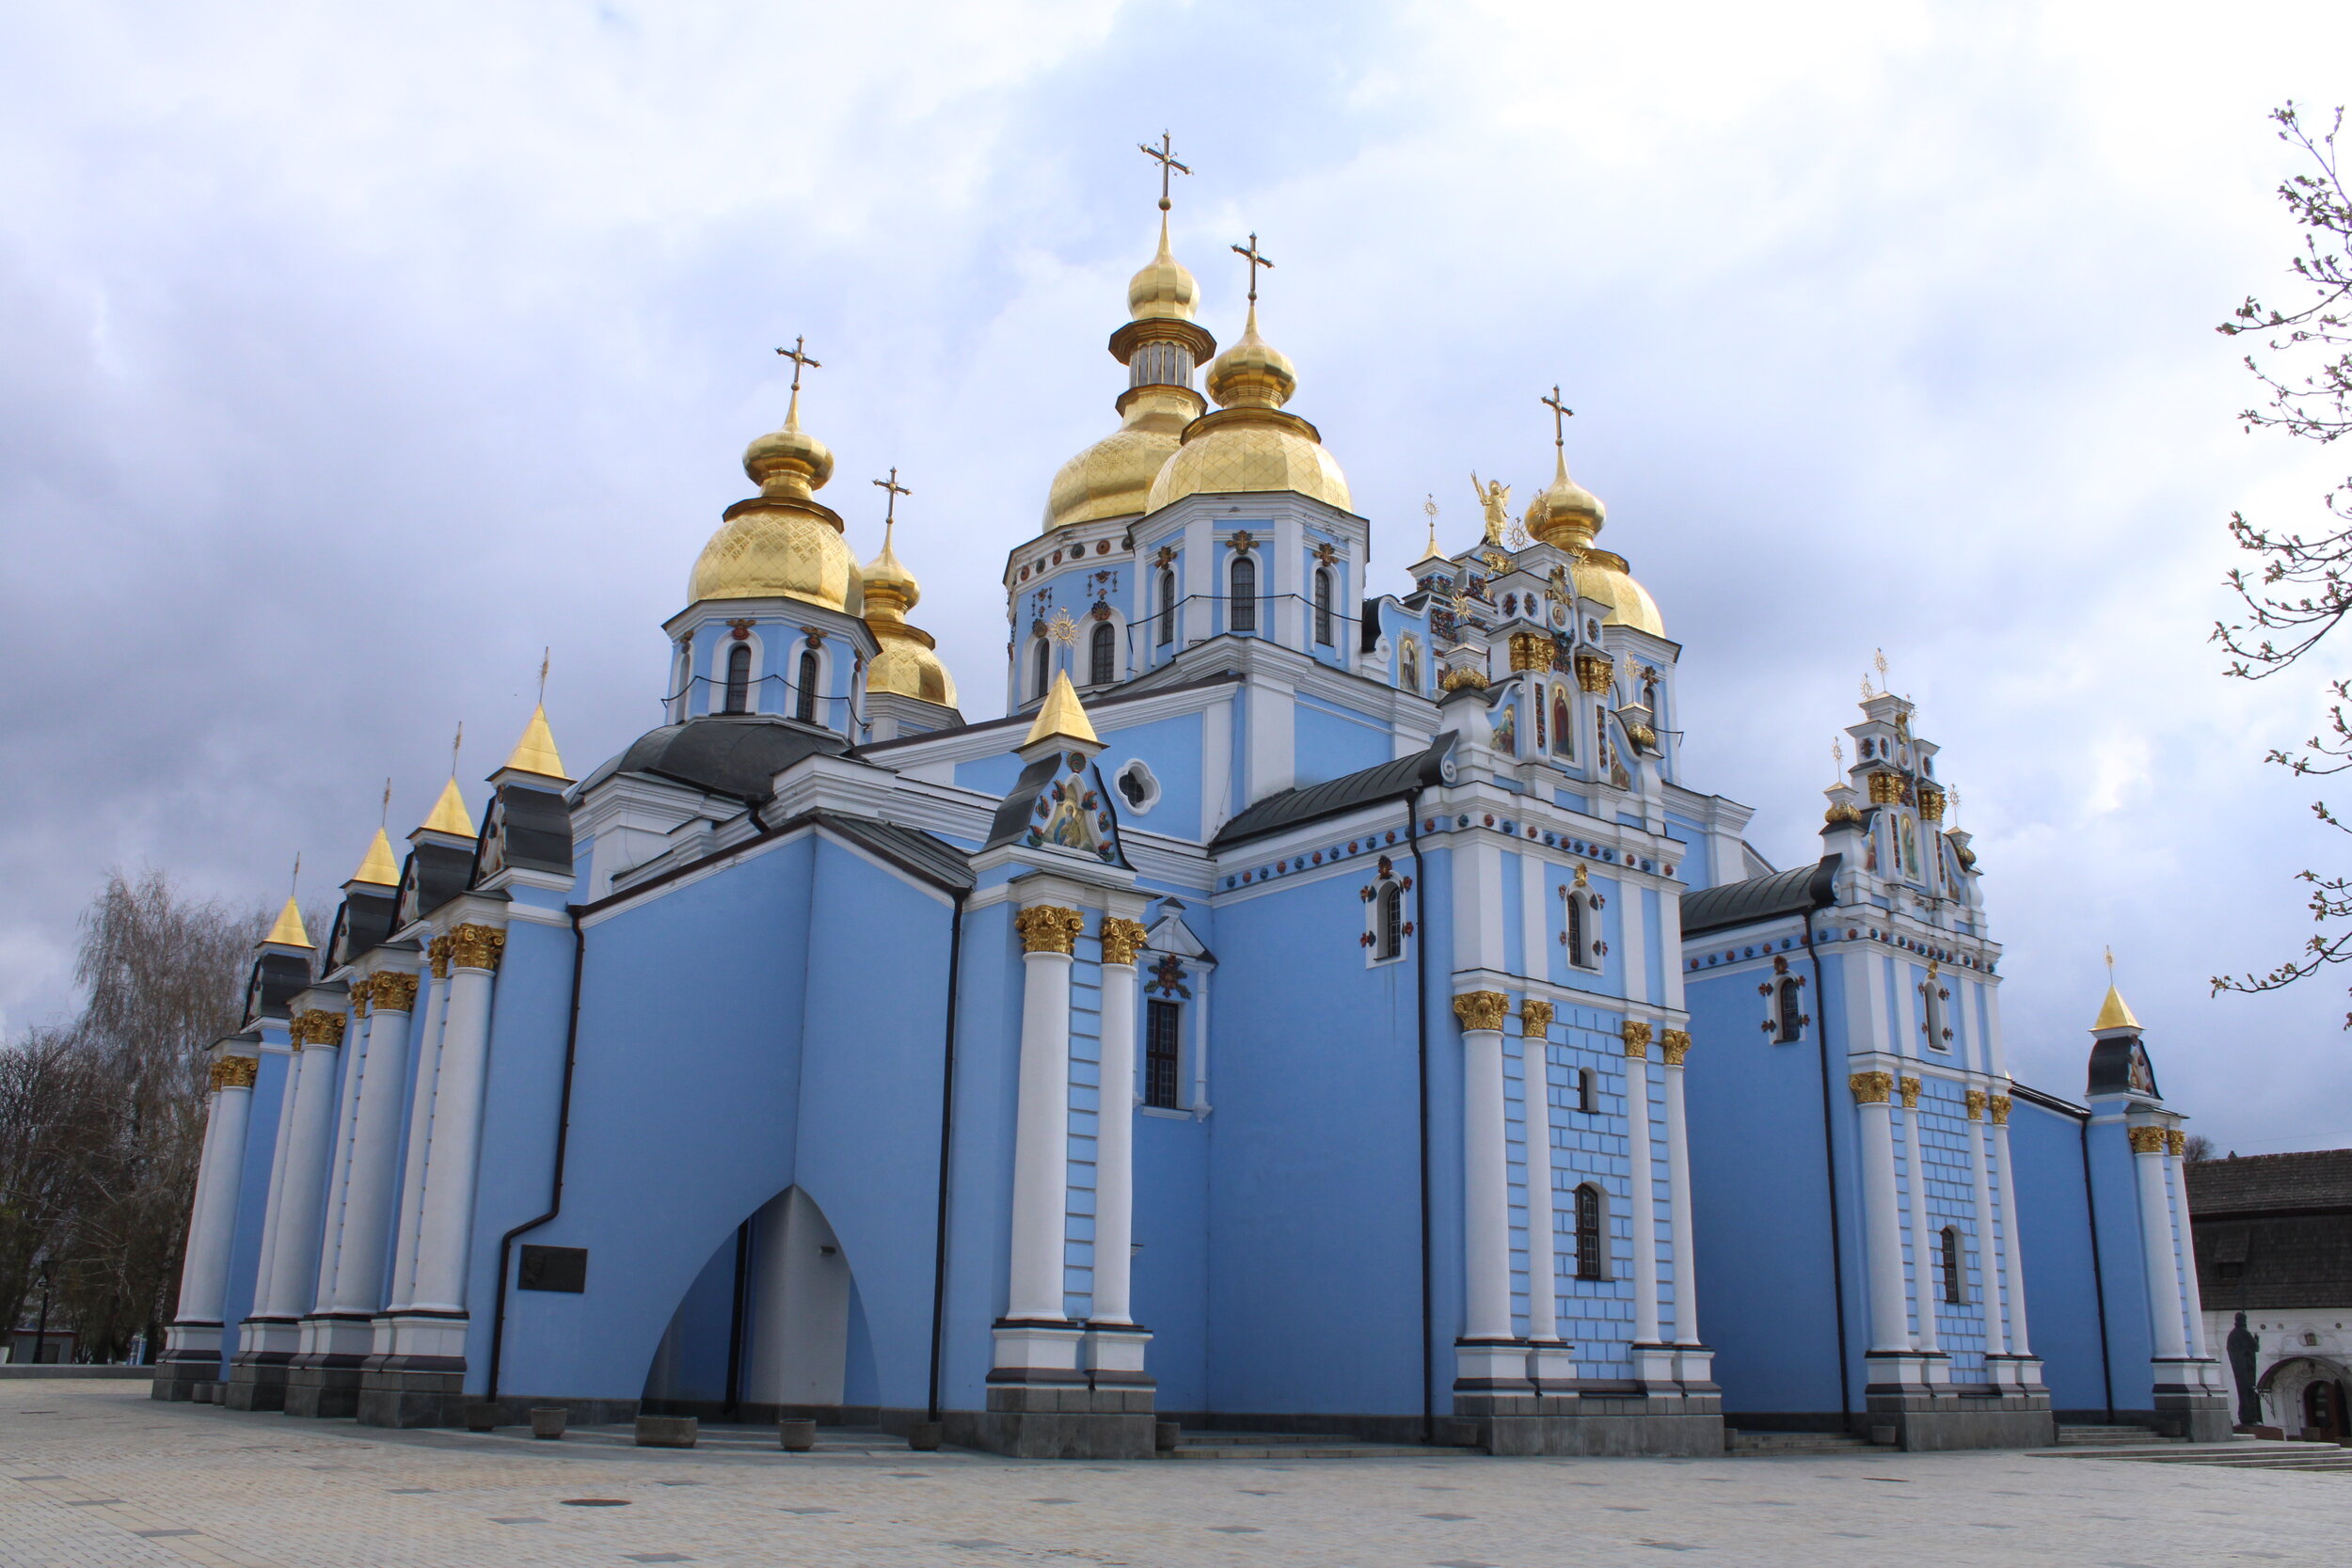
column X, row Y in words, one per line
column 1162, row 1051
column 1589, row 1256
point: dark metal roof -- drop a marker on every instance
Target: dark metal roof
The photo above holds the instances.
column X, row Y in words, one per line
column 276, row 978
column 526, row 827
column 737, row 754
column 2267, row 1184
column 2273, row 1231
column 1791, row 891
column 1387, row 781
column 933, row 858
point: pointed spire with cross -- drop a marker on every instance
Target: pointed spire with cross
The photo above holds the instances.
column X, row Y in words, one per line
column 801, row 360
column 1256, row 260
column 1560, row 412
column 1165, row 155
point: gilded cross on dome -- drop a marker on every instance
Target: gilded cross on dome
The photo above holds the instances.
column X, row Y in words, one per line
column 890, row 509
column 1256, row 260
column 1165, row 155
column 1560, row 411
column 799, row 354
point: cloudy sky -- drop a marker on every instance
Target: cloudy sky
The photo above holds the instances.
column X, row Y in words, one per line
column 355, row 352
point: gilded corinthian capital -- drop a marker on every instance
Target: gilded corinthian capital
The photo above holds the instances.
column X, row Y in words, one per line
column 1121, row 940
column 2000, row 1110
column 1674, row 1045
column 315, row 1026
column 477, row 947
column 1049, row 929
column 2175, row 1143
column 2147, row 1140
column 1910, row 1088
column 362, row 992
column 236, row 1073
column 395, row 992
column 1636, row 1034
column 1482, row 1010
column 436, row 954
column 1870, row 1088
column 1534, row 1018
column 1976, row 1105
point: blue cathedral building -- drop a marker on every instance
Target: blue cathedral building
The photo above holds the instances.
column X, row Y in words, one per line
column 1308, row 1010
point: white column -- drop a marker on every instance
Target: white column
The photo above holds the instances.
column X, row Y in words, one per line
column 1988, row 1261
column 2156, row 1244
column 1881, row 1212
column 2184, row 1247
column 1114, row 1170
column 301, row 1203
column 1643, row 1184
column 355, row 1054
column 402, row 1292
column 1543, row 1277
column 1677, row 1045
column 445, row 1233
column 1040, row 1169
column 373, row 1167
column 213, row 1223
column 2012, row 1238
column 1485, row 1169
column 1924, row 1291
column 265, row 1270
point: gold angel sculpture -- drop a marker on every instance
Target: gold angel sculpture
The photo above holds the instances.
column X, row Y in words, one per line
column 1494, row 498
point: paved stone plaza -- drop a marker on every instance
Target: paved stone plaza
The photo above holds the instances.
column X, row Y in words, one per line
column 95, row 1475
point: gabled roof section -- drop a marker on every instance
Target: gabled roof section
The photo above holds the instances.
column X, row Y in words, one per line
column 737, row 755
column 2270, row 1183
column 1795, row 891
column 1387, row 781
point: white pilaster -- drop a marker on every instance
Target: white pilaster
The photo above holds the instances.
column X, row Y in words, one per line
column 1633, row 939
column 1882, row 1213
column 1924, row 1292
column 301, row 1208
column 1543, row 1278
column 2156, row 1245
column 2012, row 1238
column 372, row 1165
column 1485, row 1176
column 2184, row 1254
column 445, row 1233
column 1114, row 1170
column 1988, row 1262
column 354, row 1057
column 1677, row 1044
column 1041, row 1134
column 402, row 1292
column 213, row 1222
column 1642, row 1184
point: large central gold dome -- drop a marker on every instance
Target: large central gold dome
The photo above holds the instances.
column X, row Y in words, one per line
column 1250, row 443
column 782, row 543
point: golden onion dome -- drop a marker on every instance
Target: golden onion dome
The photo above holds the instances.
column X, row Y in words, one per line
column 1250, row 443
column 1113, row 477
column 782, row 543
column 906, row 661
column 1164, row 290
column 1602, row 576
column 1566, row 514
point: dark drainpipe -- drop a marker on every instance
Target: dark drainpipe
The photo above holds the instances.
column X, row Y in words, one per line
column 947, row 1143
column 1829, row 1163
column 1421, row 1013
column 563, row 1143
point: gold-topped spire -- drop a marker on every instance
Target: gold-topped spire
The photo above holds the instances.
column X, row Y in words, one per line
column 2114, row 1013
column 1164, row 290
column 906, row 663
column 289, row 932
column 377, row 866
column 1063, row 717
column 783, row 543
column 535, row 752
column 448, row 813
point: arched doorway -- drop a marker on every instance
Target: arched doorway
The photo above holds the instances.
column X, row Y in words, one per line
column 2323, row 1409
column 764, row 1330
column 2306, row 1396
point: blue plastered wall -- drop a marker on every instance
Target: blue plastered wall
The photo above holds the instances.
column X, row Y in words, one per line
column 2061, row 1293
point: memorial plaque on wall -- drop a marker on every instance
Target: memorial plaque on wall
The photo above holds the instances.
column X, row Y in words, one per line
column 553, row 1268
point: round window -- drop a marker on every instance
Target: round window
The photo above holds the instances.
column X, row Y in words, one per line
column 1136, row 786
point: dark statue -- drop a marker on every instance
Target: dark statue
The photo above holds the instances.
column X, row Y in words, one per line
column 2242, row 1346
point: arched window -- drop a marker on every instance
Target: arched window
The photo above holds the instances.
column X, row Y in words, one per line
column 1041, row 668
column 1388, row 925
column 1167, row 606
column 1242, row 616
column 1789, row 1009
column 1955, row 1286
column 805, row 710
column 1103, row 655
column 1585, row 1102
column 1409, row 666
column 1163, row 1053
column 740, row 678
column 1592, row 1254
column 1933, row 994
column 1573, row 938
column 1323, row 604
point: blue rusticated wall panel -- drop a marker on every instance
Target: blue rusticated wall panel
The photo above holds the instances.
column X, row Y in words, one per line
column 2061, row 1295
column 1313, row 1211
column 687, row 1063
column 1760, row 1199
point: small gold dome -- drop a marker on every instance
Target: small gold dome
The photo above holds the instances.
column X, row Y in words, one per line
column 1113, row 477
column 1602, row 576
column 1250, row 443
column 1566, row 514
column 1164, row 290
column 782, row 543
column 906, row 663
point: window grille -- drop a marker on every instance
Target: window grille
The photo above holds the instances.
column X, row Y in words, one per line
column 1953, row 1282
column 1388, row 929
column 806, row 712
column 1791, row 1011
column 1323, row 604
column 1168, row 607
column 740, row 678
column 1104, row 654
column 1162, row 1051
column 1243, row 613
column 1591, row 1260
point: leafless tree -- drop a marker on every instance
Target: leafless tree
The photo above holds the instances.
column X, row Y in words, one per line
column 2198, row 1147
column 103, row 1166
column 2302, row 587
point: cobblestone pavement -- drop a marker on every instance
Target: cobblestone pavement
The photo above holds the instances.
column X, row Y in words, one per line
column 95, row 1475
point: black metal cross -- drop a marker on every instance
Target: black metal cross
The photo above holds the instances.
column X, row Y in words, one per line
column 1559, row 412
column 801, row 361
column 1250, row 251
column 1165, row 154
column 890, row 508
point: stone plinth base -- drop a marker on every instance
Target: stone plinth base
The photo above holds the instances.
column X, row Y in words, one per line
column 1652, row 1418
column 322, row 1392
column 405, row 1397
column 1958, row 1416
column 1048, row 1422
column 2202, row 1414
column 191, row 1356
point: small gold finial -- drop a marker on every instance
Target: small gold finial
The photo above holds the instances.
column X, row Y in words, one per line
column 378, row 866
column 288, row 932
column 1838, row 761
column 1165, row 155
column 2114, row 1013
column 1256, row 260
column 1430, row 506
column 1062, row 716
